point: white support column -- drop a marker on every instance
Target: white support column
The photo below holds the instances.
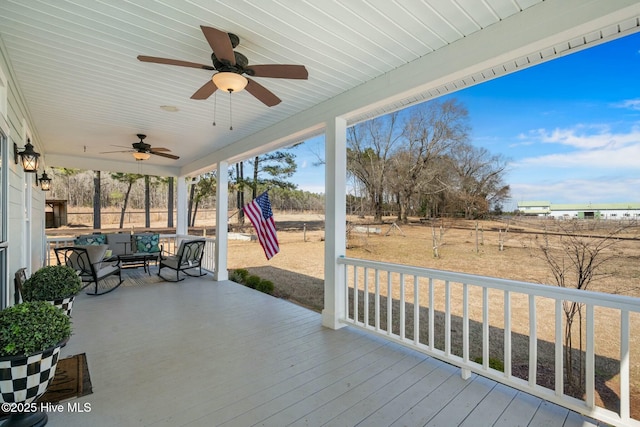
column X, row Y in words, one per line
column 222, row 203
column 335, row 222
column 182, row 202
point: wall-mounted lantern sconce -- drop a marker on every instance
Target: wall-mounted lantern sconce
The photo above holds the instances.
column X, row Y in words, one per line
column 45, row 181
column 28, row 157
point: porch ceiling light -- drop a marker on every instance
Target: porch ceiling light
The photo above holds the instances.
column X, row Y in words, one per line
column 141, row 155
column 28, row 157
column 45, row 182
column 230, row 82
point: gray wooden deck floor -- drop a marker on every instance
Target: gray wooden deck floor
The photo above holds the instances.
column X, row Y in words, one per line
column 202, row 353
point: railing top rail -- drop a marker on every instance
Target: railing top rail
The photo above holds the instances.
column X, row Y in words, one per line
column 554, row 292
column 60, row 239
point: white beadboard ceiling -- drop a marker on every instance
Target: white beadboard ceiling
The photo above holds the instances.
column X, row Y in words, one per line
column 76, row 67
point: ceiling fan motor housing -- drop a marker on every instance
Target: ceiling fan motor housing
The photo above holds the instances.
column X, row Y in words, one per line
column 141, row 146
column 223, row 66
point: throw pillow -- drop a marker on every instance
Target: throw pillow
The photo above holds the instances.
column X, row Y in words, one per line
column 90, row 239
column 149, row 243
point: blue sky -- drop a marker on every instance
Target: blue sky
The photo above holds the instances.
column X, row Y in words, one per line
column 569, row 127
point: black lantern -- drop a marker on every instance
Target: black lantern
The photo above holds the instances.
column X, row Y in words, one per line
column 28, row 157
column 45, row 182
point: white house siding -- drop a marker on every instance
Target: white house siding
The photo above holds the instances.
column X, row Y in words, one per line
column 25, row 239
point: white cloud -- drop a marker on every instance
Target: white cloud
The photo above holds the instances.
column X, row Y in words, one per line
column 631, row 104
column 591, row 147
column 601, row 158
column 586, row 137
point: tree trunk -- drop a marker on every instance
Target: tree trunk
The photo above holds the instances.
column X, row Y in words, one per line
column 170, row 204
column 195, row 212
column 192, row 192
column 124, row 203
column 240, row 194
column 378, row 208
column 96, row 200
column 147, row 202
column 254, row 184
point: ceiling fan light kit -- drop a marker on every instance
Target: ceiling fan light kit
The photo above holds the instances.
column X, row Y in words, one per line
column 229, row 82
column 141, row 155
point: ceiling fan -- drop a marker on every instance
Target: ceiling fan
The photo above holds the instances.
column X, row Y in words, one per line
column 231, row 65
column 142, row 151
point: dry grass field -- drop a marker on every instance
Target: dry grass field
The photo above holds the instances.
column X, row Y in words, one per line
column 297, row 273
column 412, row 244
column 466, row 246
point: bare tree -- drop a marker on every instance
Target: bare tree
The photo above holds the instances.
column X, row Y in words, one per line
column 370, row 146
column 575, row 262
column 67, row 174
column 205, row 187
column 431, row 130
column 479, row 179
column 129, row 179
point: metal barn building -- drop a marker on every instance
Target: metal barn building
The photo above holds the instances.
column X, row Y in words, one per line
column 580, row 210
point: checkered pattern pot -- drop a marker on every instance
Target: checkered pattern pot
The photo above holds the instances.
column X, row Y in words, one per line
column 65, row 304
column 25, row 378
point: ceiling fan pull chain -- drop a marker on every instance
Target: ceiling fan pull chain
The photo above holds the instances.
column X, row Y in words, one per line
column 214, row 108
column 230, row 111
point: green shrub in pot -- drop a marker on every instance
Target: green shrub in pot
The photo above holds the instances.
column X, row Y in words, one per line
column 31, row 336
column 31, row 327
column 51, row 283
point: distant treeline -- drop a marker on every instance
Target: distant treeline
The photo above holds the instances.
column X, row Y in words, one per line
column 77, row 187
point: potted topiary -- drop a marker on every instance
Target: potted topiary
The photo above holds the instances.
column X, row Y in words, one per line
column 31, row 335
column 58, row 284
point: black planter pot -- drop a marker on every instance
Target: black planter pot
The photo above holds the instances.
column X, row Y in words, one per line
column 24, row 419
column 23, row 379
column 64, row 304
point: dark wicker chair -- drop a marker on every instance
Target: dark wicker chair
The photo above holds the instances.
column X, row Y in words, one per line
column 188, row 257
column 18, row 280
column 90, row 267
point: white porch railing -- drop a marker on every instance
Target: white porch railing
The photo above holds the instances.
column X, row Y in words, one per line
column 169, row 242
column 460, row 318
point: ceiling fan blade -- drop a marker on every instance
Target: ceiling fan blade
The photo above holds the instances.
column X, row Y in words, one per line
column 205, row 91
column 263, row 94
column 220, row 44
column 167, row 61
column 167, row 155
column 279, row 71
column 111, row 152
column 160, row 149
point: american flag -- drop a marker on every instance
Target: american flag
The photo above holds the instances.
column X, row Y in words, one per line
column 260, row 214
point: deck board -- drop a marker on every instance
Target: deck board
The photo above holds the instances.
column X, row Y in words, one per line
column 458, row 409
column 203, row 353
column 489, row 410
column 379, row 397
column 549, row 414
column 522, row 407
